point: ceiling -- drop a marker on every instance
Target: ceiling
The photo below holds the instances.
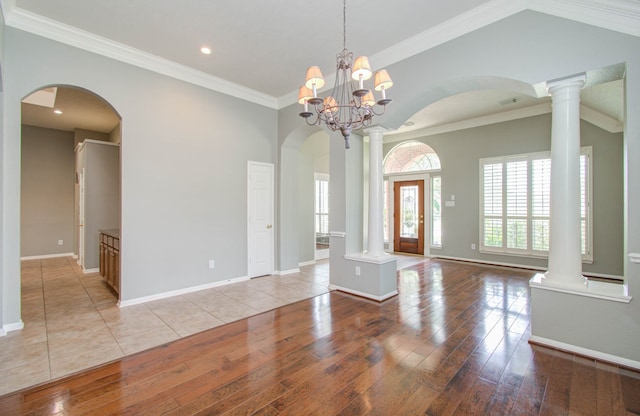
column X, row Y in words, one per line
column 261, row 49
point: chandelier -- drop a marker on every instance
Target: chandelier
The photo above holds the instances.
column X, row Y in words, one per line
column 350, row 106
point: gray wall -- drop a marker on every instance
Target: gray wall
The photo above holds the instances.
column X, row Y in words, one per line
column 184, row 166
column 6, row 301
column 115, row 136
column 459, row 154
column 313, row 158
column 306, row 203
column 525, row 49
column 47, row 191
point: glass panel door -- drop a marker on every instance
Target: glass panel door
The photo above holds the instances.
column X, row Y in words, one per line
column 409, row 217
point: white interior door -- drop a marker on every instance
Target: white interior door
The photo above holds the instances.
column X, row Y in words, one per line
column 260, row 227
column 81, row 220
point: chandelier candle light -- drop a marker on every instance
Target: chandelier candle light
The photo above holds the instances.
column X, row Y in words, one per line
column 347, row 108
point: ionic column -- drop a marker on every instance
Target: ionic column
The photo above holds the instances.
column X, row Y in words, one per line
column 375, row 245
column 565, row 257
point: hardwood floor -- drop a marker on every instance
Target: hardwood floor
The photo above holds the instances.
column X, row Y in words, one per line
column 453, row 342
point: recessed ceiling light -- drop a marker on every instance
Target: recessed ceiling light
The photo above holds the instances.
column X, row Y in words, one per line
column 205, row 50
column 57, row 111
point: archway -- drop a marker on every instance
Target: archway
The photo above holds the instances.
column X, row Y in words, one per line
column 412, row 201
column 59, row 124
column 301, row 154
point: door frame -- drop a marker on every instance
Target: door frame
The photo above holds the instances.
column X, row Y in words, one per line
column 81, row 218
column 324, row 253
column 426, row 177
column 271, row 255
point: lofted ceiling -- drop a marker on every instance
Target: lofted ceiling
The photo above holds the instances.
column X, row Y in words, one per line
column 261, row 49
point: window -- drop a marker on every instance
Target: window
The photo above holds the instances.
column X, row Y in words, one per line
column 436, row 211
column 411, row 157
column 322, row 207
column 515, row 204
column 385, row 225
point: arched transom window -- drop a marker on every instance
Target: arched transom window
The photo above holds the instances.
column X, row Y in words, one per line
column 411, row 157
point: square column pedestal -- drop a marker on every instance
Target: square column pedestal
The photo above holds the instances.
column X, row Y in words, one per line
column 369, row 277
column 592, row 320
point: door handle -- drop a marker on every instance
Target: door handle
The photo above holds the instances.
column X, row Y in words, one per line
column 269, row 227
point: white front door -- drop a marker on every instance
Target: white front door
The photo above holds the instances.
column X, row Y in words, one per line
column 260, row 211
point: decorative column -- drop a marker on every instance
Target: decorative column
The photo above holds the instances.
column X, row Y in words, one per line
column 375, row 246
column 565, row 257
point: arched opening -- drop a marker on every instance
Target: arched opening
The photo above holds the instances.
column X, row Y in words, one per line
column 70, row 195
column 304, row 174
column 412, row 187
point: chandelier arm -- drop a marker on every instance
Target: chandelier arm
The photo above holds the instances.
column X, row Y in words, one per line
column 375, row 113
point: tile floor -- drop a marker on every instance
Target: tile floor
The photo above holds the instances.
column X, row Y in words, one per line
column 72, row 321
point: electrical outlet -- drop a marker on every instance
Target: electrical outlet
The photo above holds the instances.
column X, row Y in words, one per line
column 212, row 264
column 357, row 270
column 473, row 246
column 60, row 242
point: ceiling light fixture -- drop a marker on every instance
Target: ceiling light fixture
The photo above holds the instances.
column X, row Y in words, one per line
column 347, row 108
column 57, row 111
column 205, row 50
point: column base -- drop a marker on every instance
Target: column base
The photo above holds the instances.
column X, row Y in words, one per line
column 561, row 280
column 591, row 288
column 371, row 258
column 366, row 295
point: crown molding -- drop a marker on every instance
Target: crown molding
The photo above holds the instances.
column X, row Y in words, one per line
column 51, row 29
column 531, row 111
column 601, row 120
column 483, row 15
column 618, row 15
column 588, row 114
column 462, row 24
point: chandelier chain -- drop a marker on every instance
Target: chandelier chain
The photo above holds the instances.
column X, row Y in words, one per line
column 344, row 25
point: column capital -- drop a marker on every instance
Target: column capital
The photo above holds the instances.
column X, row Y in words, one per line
column 577, row 80
column 376, row 131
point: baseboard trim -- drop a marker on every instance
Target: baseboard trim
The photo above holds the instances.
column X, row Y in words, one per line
column 307, row 263
column 46, row 256
column 585, row 352
column 523, row 266
column 285, row 272
column 358, row 293
column 137, row 301
column 87, row 271
column 16, row 326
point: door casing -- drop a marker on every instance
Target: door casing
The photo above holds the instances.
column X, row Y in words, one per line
column 403, row 244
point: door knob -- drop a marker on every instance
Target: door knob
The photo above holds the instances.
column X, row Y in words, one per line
column 269, row 226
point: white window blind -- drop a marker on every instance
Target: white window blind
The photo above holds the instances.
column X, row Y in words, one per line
column 322, row 206
column 515, row 204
